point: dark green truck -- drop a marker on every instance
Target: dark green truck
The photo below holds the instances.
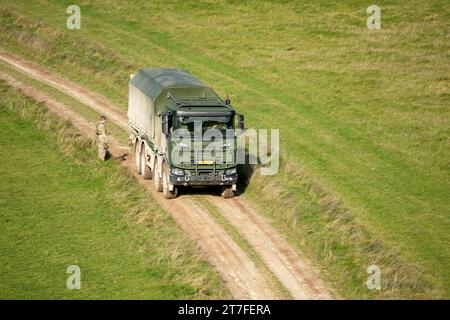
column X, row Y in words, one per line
column 183, row 133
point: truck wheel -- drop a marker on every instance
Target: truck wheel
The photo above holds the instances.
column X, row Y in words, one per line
column 165, row 181
column 227, row 192
column 145, row 170
column 157, row 176
column 137, row 157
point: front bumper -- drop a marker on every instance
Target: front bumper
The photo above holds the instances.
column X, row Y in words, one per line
column 203, row 178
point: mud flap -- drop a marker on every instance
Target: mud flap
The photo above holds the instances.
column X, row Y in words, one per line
column 233, row 187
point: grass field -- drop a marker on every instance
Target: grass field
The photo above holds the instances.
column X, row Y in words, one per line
column 363, row 114
column 60, row 208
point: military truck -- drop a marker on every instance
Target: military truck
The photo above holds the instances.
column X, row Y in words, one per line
column 164, row 102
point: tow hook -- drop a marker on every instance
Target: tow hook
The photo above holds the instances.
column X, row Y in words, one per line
column 186, row 178
column 223, row 178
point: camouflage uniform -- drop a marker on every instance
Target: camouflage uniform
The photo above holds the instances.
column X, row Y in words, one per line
column 102, row 140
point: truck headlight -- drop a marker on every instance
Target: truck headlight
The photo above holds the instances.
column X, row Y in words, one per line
column 178, row 171
column 230, row 171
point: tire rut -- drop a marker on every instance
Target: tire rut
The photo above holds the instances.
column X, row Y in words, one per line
column 295, row 274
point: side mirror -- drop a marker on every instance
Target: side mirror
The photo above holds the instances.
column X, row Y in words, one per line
column 165, row 120
column 240, row 122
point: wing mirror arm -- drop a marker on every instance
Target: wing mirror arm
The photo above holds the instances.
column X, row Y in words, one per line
column 165, row 121
column 240, row 122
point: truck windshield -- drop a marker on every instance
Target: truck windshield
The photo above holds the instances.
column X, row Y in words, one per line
column 205, row 123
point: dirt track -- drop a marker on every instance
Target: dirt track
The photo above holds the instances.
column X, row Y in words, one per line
column 241, row 275
column 281, row 258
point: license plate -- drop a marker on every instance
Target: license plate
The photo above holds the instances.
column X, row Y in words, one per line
column 205, row 162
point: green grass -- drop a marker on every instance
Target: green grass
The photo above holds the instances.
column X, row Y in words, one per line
column 363, row 115
column 60, row 207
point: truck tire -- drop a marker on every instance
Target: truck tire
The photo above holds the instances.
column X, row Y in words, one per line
column 145, row 170
column 137, row 157
column 165, row 182
column 157, row 176
column 227, row 192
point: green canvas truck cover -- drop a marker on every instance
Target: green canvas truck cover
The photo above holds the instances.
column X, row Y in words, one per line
column 180, row 83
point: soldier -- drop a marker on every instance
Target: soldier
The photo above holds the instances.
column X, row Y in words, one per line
column 102, row 139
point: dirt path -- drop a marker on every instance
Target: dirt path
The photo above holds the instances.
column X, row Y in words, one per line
column 241, row 275
column 294, row 273
column 96, row 101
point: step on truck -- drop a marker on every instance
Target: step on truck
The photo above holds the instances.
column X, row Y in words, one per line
column 183, row 133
